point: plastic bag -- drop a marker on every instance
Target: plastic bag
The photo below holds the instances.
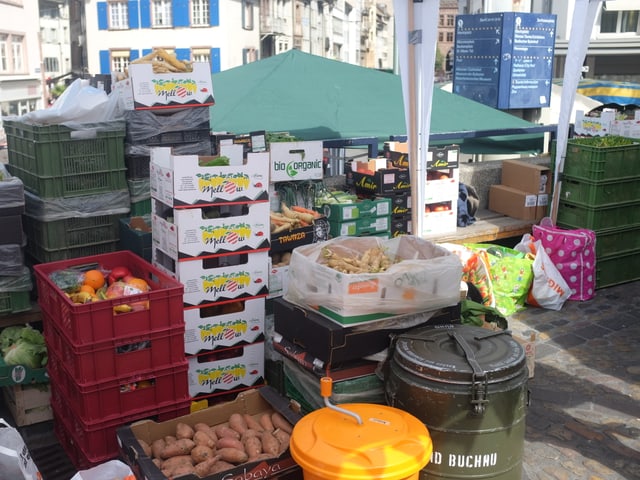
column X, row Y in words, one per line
column 15, row 460
column 111, row 470
column 573, row 252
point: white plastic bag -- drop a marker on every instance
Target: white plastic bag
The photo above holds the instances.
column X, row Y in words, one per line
column 111, row 470
column 549, row 289
column 15, row 459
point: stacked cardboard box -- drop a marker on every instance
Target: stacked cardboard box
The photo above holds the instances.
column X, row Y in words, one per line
column 523, row 192
column 211, row 232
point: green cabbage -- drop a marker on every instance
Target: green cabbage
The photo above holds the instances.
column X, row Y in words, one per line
column 23, row 346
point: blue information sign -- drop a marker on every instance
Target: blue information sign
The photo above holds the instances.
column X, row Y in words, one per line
column 505, row 60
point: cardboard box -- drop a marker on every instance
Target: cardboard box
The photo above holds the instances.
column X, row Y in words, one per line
column 333, row 343
column 296, row 161
column 440, row 217
column 226, row 370
column 513, row 202
column 145, row 89
column 375, row 207
column 360, row 226
column 526, row 176
column 216, row 279
column 278, row 281
column 442, row 185
column 443, row 157
column 179, row 180
column 386, row 180
column 400, row 225
column 205, row 231
column 287, row 241
column 400, row 203
column 254, row 402
column 224, row 325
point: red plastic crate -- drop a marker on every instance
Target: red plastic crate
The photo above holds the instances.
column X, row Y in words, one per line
column 118, row 397
column 104, row 361
column 91, row 444
column 96, row 322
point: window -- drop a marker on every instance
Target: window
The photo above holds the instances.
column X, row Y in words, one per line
column 119, row 60
column 199, row 13
column 249, row 55
column 441, row 21
column 4, row 54
column 51, row 64
column 449, row 36
column 201, row 55
column 450, row 19
column 16, row 52
column 440, row 37
column 118, row 15
column 161, row 13
column 620, row 21
column 247, row 14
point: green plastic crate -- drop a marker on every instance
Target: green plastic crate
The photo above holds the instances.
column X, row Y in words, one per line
column 21, row 375
column 143, row 207
column 587, row 162
column 599, row 194
column 136, row 241
column 618, row 240
column 617, row 269
column 13, row 302
column 598, row 218
column 361, row 226
column 41, row 255
column 72, row 232
column 57, row 150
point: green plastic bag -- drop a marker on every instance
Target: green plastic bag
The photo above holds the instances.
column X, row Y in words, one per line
column 511, row 275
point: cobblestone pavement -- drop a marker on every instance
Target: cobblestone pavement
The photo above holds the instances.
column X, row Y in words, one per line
column 583, row 420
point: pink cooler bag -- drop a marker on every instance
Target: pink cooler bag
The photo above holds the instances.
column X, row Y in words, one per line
column 573, row 253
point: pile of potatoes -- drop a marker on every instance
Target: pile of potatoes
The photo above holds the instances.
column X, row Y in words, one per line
column 204, row 450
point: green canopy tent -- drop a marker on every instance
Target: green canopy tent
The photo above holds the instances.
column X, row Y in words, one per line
column 314, row 98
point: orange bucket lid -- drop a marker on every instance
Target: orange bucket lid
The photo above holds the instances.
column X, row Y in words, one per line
column 389, row 443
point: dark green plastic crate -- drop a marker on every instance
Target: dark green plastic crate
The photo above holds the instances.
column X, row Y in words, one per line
column 617, row 269
column 72, row 232
column 72, row 185
column 592, row 163
column 136, row 241
column 596, row 194
column 598, row 218
column 618, row 240
column 41, row 255
column 143, row 207
column 13, row 302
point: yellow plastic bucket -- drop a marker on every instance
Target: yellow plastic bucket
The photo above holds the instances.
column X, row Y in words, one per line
column 389, row 444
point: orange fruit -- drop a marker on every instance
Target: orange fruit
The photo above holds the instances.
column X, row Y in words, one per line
column 88, row 288
column 94, row 278
column 138, row 283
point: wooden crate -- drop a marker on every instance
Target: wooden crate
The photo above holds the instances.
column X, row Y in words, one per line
column 28, row 404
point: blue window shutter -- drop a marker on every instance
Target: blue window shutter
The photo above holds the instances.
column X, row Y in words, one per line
column 133, row 55
column 145, row 13
column 214, row 14
column 146, row 51
column 180, row 13
column 134, row 21
column 103, row 16
column 183, row 53
column 215, row 60
column 105, row 62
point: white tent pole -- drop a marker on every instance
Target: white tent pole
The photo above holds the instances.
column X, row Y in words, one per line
column 584, row 14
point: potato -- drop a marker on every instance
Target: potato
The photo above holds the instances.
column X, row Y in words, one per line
column 237, row 423
column 200, row 453
column 200, row 437
column 228, row 442
column 280, row 422
column 170, row 439
column 178, row 448
column 157, row 462
column 183, row 470
column 270, row 443
column 203, row 427
column 250, row 433
column 253, row 446
column 172, row 463
column 265, row 421
column 232, row 455
column 284, row 438
column 224, row 431
column 252, row 423
column 146, row 448
column 184, row 431
column 203, row 469
column 157, row 447
column 221, row 466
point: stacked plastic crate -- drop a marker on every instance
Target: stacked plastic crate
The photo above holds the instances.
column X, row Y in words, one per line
column 15, row 277
column 600, row 190
column 75, row 184
column 211, row 231
column 109, row 369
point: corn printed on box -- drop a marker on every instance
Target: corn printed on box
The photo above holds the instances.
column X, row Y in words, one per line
column 189, row 180
column 224, row 325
